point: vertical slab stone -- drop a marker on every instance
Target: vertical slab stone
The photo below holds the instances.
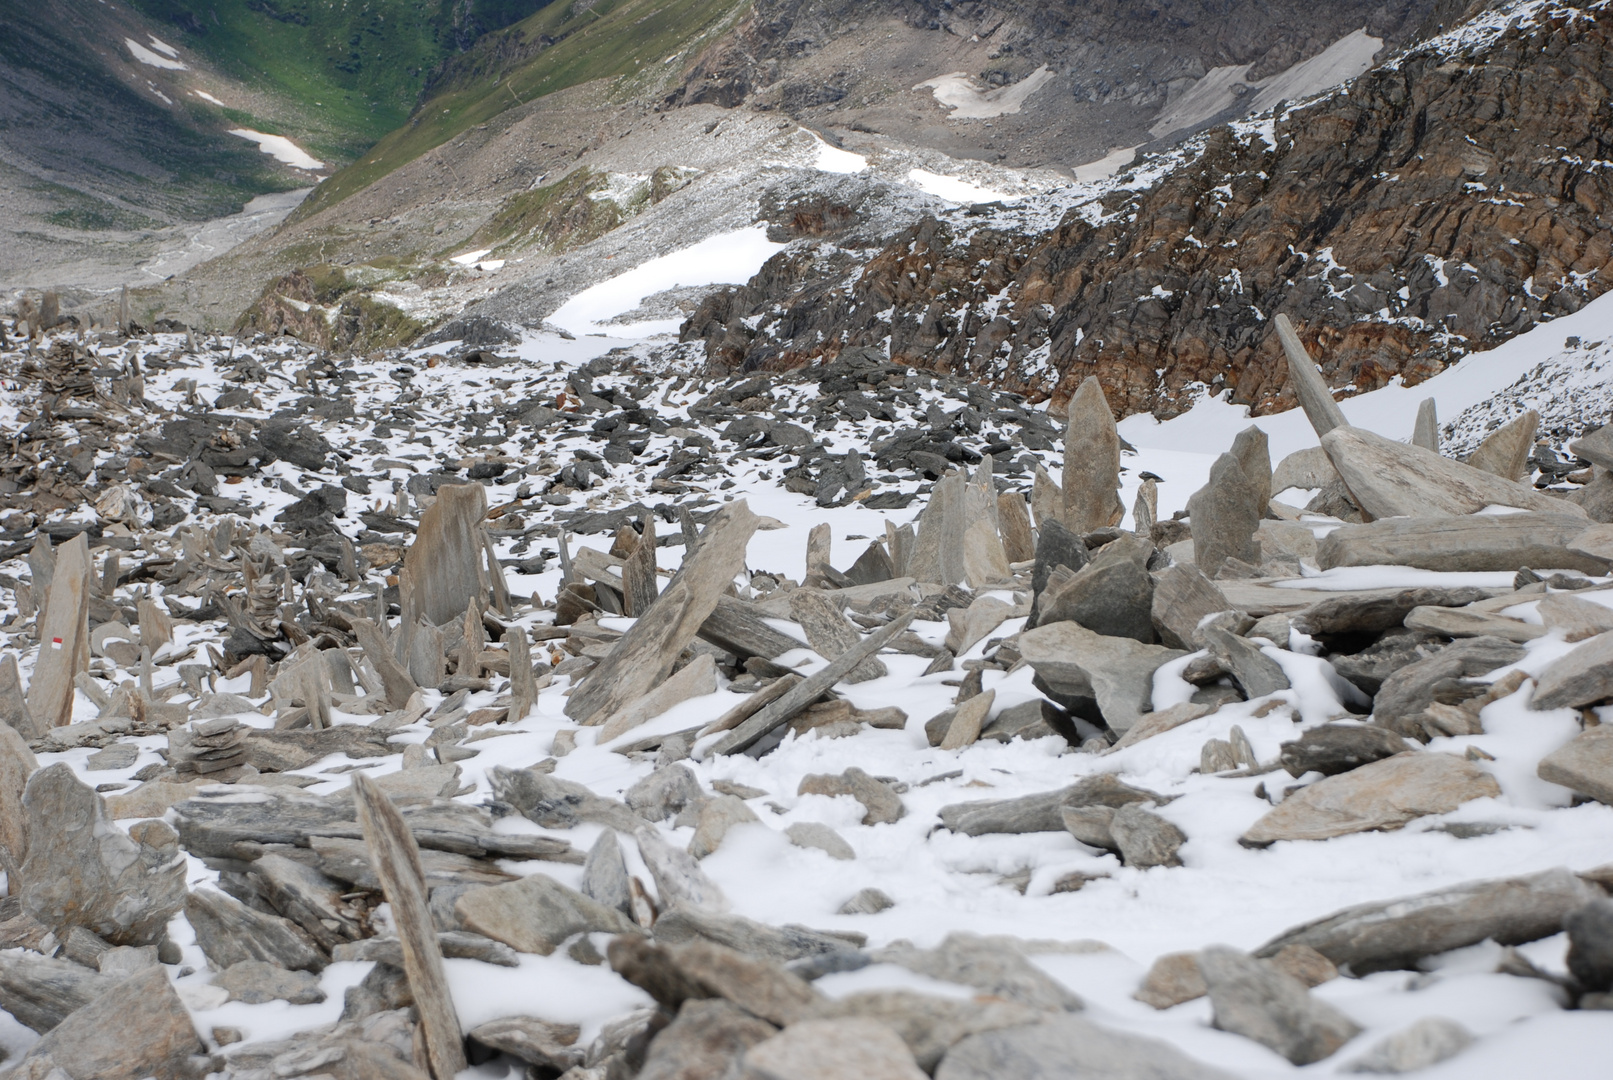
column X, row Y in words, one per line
column 638, row 572
column 1505, row 451
column 394, row 677
column 523, row 687
column 1224, row 518
column 1183, row 598
column 472, row 642
column 14, row 703
column 645, row 654
column 1425, row 433
column 396, row 860
column 17, row 764
column 1145, row 513
column 42, row 565
column 938, row 552
column 1091, row 462
column 1254, row 458
column 1047, row 501
column 445, row 559
column 820, row 543
column 156, row 628
column 1014, row 522
column 984, row 560
column 64, row 636
column 829, row 633
column 1314, row 396
column 495, row 576
column 427, row 661
column 900, row 542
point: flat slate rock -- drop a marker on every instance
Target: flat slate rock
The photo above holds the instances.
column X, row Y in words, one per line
column 1585, row 764
column 1067, row 1047
column 1489, row 542
column 1116, row 672
column 1257, row 1001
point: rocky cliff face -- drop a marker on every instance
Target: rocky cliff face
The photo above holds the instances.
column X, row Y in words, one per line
column 1445, row 202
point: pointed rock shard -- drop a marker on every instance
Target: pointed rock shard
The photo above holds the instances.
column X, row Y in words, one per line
column 820, row 544
column 1091, row 462
column 1254, row 458
column 1055, row 547
column 966, row 723
column 523, row 686
column 1505, row 451
column 1014, row 519
column 1145, row 512
column 1426, row 432
column 1584, row 764
column 1306, row 469
column 14, row 703
column 1183, row 599
column 1390, row 479
column 1047, row 501
column 82, row 870
column 900, row 541
column 644, row 656
column 984, row 561
column 427, row 663
column 638, row 572
column 399, row 686
column 937, row 557
column 396, row 860
column 1595, row 447
column 829, row 633
column 495, row 575
column 1112, row 595
column 1314, row 396
column 536, row 914
column 472, row 641
column 445, row 559
column 604, row 875
column 872, row 566
column 17, row 764
column 64, row 636
column 1225, row 515
column 138, row 1028
column 156, row 628
column 695, row 679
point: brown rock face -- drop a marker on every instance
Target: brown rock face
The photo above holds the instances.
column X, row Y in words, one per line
column 1439, row 206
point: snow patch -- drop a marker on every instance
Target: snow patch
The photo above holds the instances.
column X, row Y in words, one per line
column 958, row 92
column 280, row 148
column 205, row 96
column 1106, row 166
column 151, row 59
column 832, row 159
column 953, row 189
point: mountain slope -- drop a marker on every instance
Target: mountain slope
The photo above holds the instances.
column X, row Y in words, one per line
column 1443, row 203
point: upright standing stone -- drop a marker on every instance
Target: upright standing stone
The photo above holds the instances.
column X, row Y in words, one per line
column 984, row 560
column 398, row 684
column 396, row 860
column 1224, row 517
column 1314, row 396
column 1505, row 451
column 1145, row 512
column 1047, row 501
column 523, row 687
column 495, row 576
column 644, row 656
column 899, row 541
column 638, row 572
column 156, row 628
column 17, row 764
column 472, row 641
column 14, row 703
column 1091, row 462
column 1426, row 432
column 1015, row 522
column 820, row 543
column 64, row 636
column 445, row 559
column 1254, row 458
column 937, row 557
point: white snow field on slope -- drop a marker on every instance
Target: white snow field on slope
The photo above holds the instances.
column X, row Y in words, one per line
column 170, row 62
column 957, row 92
column 281, row 149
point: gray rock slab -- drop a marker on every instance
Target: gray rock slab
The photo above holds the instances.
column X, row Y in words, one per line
column 1424, row 1044
column 1041, row 812
column 136, row 1029
column 1505, row 451
column 1116, row 672
column 1144, row 838
column 536, row 1042
column 558, row 804
column 17, row 764
column 882, row 805
column 1253, row 452
column 455, row 944
column 643, row 657
column 536, row 914
column 937, row 557
column 1254, row 671
column 1112, row 595
column 1337, row 748
column 1590, row 945
column 257, row 981
column 717, row 816
column 1068, row 1047
column 1383, row 795
column 64, row 637
column 1390, row 479
column 989, row 964
column 1091, row 482
column 1397, row 933
column 604, row 875
column 1224, row 515
column 1184, row 598
column 1466, row 622
column 818, row 1049
column 707, row 1039
column 779, row 944
column 1407, row 693
column 40, row 992
column 1595, row 447
column 1425, row 431
column 1584, row 764
column 445, row 559
column 1277, row 1010
column 813, row 834
column 985, row 562
column 1578, row 618
column 1490, row 542
column 231, row 933
column 695, row 679
column 1306, row 381
column 1306, row 469
column 1580, row 678
column 82, row 870
column 829, row 632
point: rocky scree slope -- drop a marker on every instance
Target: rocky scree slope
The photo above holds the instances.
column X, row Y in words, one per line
column 1443, row 203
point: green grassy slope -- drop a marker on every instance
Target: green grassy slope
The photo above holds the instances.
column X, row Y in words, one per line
column 565, row 44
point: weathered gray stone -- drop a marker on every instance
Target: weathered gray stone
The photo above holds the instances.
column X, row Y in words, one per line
column 993, row 965
column 1145, row 510
column 779, row 944
column 984, row 560
column 967, row 720
column 536, row 914
column 867, row 902
column 937, row 556
column 1225, row 514
column 1337, row 748
column 1426, row 1043
column 1014, row 521
column 1157, row 723
column 639, row 590
column 1112, row 595
column 643, row 657
column 1184, row 598
column 695, row 679
column 1505, row 451
column 1144, row 838
column 812, row 834
column 445, row 560
column 1487, row 542
column 1582, row 677
column 14, row 703
column 1091, row 462
column 1254, row 1000
column 1578, row 618
column 1425, row 433
column 1590, row 945
column 1595, row 447
column 536, row 1042
column 308, row 898
column 17, row 764
column 1116, row 672
column 883, row 805
column 708, row 1038
column 1254, row 671
column 1041, row 812
column 1091, row 825
column 1374, row 614
column 1408, row 693
column 1466, row 622
column 1306, row 469
column 455, row 944
column 257, row 981
column 824, row 1049
column 1306, row 382
column 605, row 877
column 82, row 870
column 231, row 933
column 138, row 1028
column 41, row 992
column 1397, row 933
column 928, row 1024
column 64, row 637
column 717, row 816
column 1390, row 479
column 829, row 633
column 1383, row 795
column 678, row 878
column 737, row 627
column 1584, row 764
column 558, row 804
column 1068, row 1047
column 970, row 625
column 1253, row 452
column 1056, row 546
column 1172, row 979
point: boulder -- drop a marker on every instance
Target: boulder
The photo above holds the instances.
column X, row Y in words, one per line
column 1584, row 764
column 536, row 914
column 17, row 764
column 1183, row 599
column 1590, row 945
column 258, row 981
column 1145, row 839
column 1065, row 1048
column 1042, row 812
column 134, row 1030
column 82, row 870
column 695, row 679
column 445, row 561
column 819, row 1049
column 780, row 944
column 230, row 933
column 1306, row 469
column 1383, row 795
column 812, row 834
column 1439, row 679
column 1112, row 595
column 1489, row 542
column 882, row 805
column 1337, row 748
column 1376, row 613
column 1115, row 672
column 1397, row 933
column 664, row 792
column 928, row 1024
column 1260, row 1003
column 717, row 816
column 1505, row 451
column 985, row 562
column 1225, row 514
column 536, row 1042
column 1583, row 677
column 993, row 965
column 1578, row 618
column 1426, row 1043
column 41, row 992
column 1254, row 671
column 707, row 1038
column 829, row 632
column 937, row 557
